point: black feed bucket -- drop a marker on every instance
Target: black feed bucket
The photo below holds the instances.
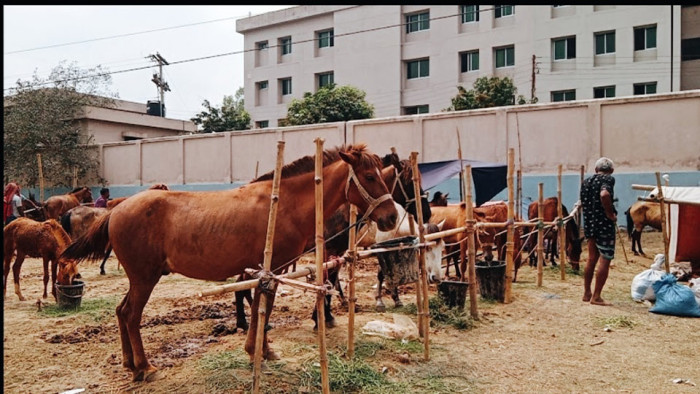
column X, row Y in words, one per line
column 69, row 296
column 492, row 279
column 398, row 266
column 453, row 293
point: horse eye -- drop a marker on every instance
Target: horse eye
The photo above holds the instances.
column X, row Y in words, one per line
column 370, row 177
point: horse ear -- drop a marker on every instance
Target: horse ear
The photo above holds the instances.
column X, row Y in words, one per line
column 446, row 194
column 441, row 224
column 348, row 158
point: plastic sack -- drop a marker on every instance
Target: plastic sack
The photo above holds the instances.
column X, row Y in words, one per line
column 694, row 285
column 402, row 328
column 642, row 288
column 674, row 299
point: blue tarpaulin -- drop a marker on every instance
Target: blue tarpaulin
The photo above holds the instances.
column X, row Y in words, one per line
column 489, row 178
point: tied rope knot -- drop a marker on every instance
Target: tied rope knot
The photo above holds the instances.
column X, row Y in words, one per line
column 267, row 285
column 540, row 225
column 560, row 222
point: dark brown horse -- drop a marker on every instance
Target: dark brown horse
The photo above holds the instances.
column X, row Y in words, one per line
column 33, row 209
column 573, row 239
column 78, row 220
column 55, row 206
column 439, row 199
column 217, row 235
column 640, row 214
column 47, row 240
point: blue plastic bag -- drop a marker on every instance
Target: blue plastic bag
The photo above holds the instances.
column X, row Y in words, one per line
column 674, row 299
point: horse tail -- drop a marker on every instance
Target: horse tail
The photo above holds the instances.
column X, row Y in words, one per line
column 630, row 223
column 91, row 245
column 65, row 221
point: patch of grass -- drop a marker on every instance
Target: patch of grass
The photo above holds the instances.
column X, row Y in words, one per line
column 617, row 322
column 219, row 370
column 96, row 308
column 455, row 317
column 348, row 376
column 227, row 360
column 367, row 348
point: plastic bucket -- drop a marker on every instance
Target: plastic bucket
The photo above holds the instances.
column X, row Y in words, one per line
column 453, row 293
column 70, row 296
column 398, row 266
column 491, row 277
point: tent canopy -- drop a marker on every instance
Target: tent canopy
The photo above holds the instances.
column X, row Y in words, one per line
column 489, row 178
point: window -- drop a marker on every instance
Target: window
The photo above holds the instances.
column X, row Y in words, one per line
column 286, row 86
column 605, row 43
column 469, row 61
column 564, row 95
column 564, row 48
column 262, row 45
column 417, row 22
column 262, row 124
column 417, row 68
column 325, row 38
column 690, row 49
column 504, row 10
column 470, row 13
column 262, row 85
column 505, row 57
column 286, row 45
column 415, row 110
column 604, row 91
column 645, row 88
column 644, row 38
column 325, row 79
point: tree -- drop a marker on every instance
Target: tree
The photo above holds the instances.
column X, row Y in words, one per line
column 488, row 92
column 231, row 116
column 41, row 116
column 329, row 104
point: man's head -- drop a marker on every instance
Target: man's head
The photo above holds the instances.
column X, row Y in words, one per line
column 604, row 165
column 104, row 192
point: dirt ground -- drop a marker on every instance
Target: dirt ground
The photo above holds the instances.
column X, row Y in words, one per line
column 546, row 340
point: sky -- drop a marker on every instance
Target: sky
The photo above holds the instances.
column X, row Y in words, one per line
column 117, row 38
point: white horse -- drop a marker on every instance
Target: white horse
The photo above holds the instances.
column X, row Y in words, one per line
column 369, row 235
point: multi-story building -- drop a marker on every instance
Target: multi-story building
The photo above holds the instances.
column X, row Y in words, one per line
column 409, row 59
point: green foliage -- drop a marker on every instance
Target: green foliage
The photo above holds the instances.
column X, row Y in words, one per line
column 348, row 376
column 329, row 104
column 41, row 116
column 441, row 314
column 230, row 116
column 96, row 308
column 487, row 92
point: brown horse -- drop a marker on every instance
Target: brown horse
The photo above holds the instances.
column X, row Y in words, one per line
column 116, row 201
column 573, row 239
column 55, row 206
column 640, row 214
column 217, row 235
column 439, row 199
column 47, row 240
column 32, row 208
column 78, row 220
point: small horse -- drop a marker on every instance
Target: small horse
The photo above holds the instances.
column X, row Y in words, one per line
column 640, row 214
column 30, row 238
column 33, row 209
column 573, row 239
column 439, row 199
column 55, row 206
column 217, row 235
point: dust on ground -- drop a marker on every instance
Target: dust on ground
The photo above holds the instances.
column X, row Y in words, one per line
column 545, row 340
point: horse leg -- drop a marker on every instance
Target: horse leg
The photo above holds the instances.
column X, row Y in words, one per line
column 268, row 354
column 129, row 314
column 127, row 353
column 54, row 268
column 102, row 266
column 553, row 250
column 395, row 297
column 380, row 307
column 9, row 252
column 15, row 274
column 240, row 296
column 638, row 235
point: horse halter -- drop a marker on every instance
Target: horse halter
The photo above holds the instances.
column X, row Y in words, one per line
column 373, row 202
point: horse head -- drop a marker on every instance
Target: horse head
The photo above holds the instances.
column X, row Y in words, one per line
column 366, row 189
column 67, row 271
column 433, row 254
column 399, row 178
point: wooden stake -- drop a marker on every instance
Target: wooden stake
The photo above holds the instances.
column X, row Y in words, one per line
column 41, row 178
column 421, row 254
column 471, row 243
column 262, row 306
column 509, row 243
column 562, row 232
column 664, row 226
column 540, row 234
column 352, row 251
column 320, row 298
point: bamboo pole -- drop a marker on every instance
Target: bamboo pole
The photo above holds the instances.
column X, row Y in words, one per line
column 508, row 297
column 664, row 226
column 320, row 298
column 471, row 243
column 352, row 250
column 41, row 177
column 421, row 253
column 540, row 234
column 262, row 306
column 562, row 232
column 419, row 284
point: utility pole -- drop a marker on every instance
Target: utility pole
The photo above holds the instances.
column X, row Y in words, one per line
column 158, row 80
column 532, row 88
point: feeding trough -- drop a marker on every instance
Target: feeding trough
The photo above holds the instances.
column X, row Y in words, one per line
column 70, row 296
column 453, row 293
column 491, row 276
column 399, row 266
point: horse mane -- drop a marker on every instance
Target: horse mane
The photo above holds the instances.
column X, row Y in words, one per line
column 307, row 164
column 77, row 189
column 407, row 175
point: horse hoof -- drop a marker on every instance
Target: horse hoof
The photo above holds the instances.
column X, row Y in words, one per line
column 272, row 355
column 103, row 273
column 381, row 308
column 331, row 323
column 155, row 375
